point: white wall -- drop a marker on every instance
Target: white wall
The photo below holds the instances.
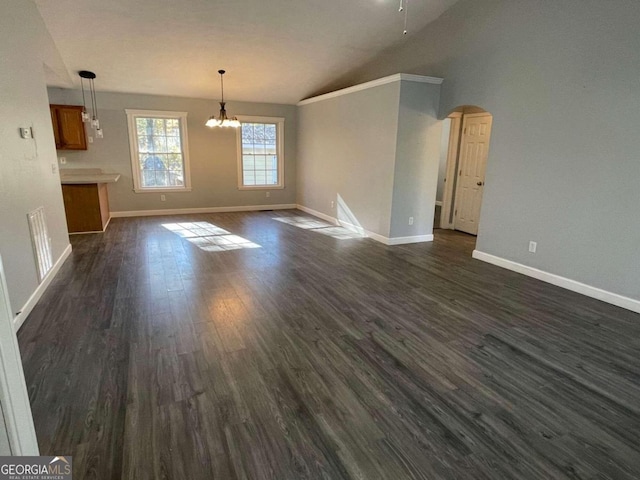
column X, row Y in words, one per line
column 212, row 152
column 26, row 177
column 562, row 82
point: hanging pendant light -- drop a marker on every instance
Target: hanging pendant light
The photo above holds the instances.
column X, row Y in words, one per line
column 223, row 120
column 95, row 122
column 404, row 7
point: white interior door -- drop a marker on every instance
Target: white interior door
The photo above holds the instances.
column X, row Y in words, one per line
column 474, row 148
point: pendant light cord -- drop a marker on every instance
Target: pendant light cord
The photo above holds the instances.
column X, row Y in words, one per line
column 84, row 103
column 222, row 86
column 94, row 103
column 406, row 13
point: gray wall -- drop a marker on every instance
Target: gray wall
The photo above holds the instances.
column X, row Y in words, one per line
column 26, row 177
column 417, row 159
column 212, row 152
column 375, row 152
column 562, row 82
column 346, row 149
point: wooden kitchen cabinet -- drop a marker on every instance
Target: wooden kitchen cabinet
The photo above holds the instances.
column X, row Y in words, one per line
column 68, row 127
column 86, row 207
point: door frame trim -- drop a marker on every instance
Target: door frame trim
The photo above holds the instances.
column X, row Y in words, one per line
column 448, row 195
column 13, row 389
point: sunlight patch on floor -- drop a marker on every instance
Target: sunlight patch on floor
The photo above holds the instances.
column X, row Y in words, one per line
column 209, row 237
column 347, row 217
column 319, row 226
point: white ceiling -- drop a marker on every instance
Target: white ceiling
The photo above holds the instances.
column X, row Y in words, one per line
column 275, row 51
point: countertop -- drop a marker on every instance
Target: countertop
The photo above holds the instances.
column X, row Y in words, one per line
column 75, row 176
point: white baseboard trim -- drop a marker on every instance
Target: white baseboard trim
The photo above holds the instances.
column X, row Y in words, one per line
column 414, row 239
column 19, row 319
column 315, row 213
column 367, row 233
column 573, row 285
column 182, row 211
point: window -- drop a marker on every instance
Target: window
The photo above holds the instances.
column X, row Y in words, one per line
column 159, row 151
column 260, row 155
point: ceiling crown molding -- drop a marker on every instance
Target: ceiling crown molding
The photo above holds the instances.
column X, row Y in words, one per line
column 407, row 77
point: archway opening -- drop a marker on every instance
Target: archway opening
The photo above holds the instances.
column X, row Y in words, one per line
column 462, row 173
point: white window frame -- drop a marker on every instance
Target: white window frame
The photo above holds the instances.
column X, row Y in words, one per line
column 279, row 122
column 135, row 158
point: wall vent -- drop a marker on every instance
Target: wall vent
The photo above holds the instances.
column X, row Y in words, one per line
column 40, row 241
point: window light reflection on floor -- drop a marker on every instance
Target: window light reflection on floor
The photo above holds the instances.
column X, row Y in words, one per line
column 209, row 237
column 319, row 226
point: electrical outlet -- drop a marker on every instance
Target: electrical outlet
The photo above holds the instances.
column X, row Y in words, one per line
column 54, row 168
column 90, row 139
column 533, row 246
column 410, row 220
column 163, row 198
column 63, row 160
column 25, row 132
column 333, row 204
column 268, row 194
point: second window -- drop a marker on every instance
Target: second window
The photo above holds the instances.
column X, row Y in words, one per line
column 260, row 152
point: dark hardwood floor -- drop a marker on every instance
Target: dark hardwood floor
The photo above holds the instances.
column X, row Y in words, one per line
column 282, row 352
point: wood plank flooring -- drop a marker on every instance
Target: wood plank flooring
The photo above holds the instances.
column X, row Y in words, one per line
column 169, row 349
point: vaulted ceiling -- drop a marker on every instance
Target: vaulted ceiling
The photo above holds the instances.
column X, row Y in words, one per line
column 276, row 51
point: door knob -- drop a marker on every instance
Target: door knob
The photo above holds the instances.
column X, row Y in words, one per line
column 480, row 184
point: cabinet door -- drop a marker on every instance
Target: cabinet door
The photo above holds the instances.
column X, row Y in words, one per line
column 56, row 128
column 71, row 128
column 82, row 207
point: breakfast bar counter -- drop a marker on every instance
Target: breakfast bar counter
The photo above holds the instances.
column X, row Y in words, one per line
column 86, row 199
